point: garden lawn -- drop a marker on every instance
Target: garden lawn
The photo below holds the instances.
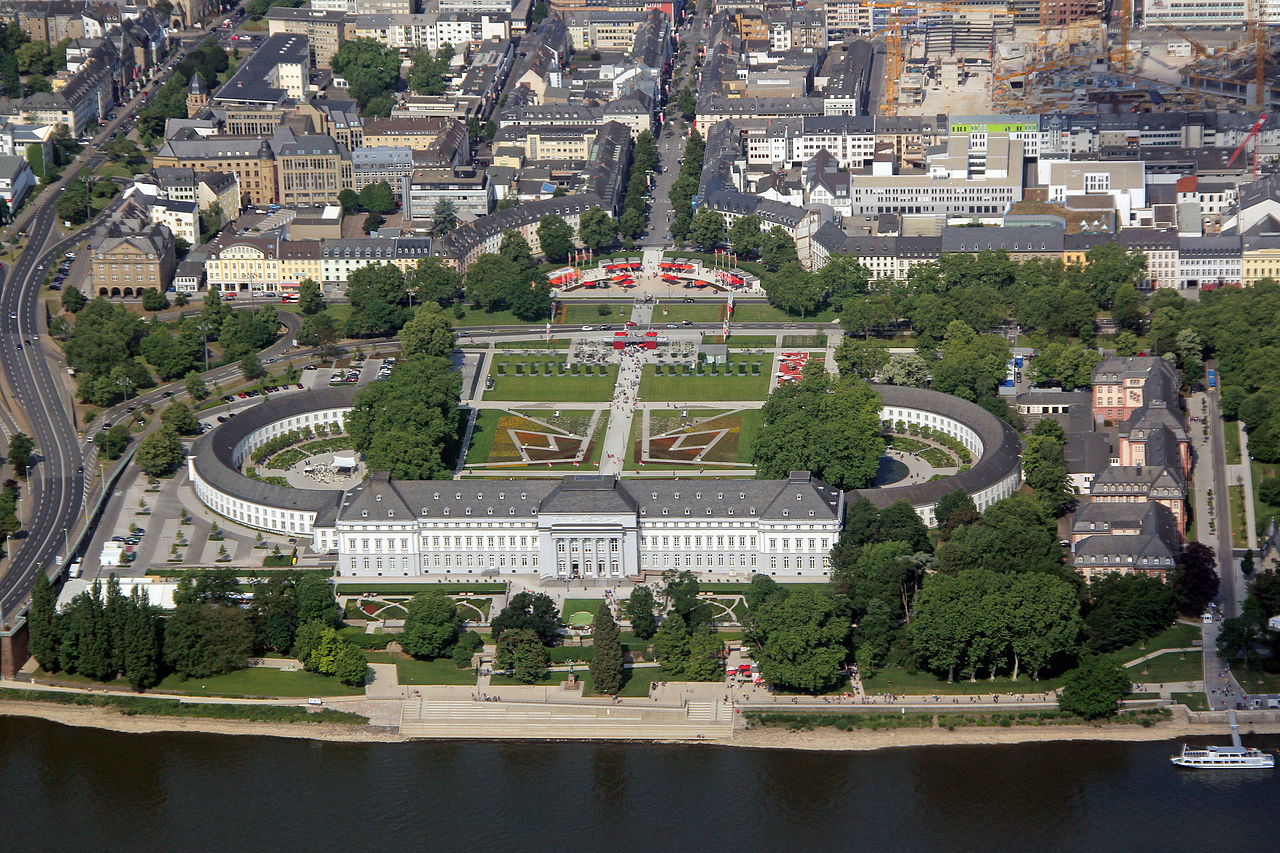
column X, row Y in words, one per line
column 1231, row 438
column 588, row 313
column 580, row 605
column 549, row 388
column 260, row 681
column 655, row 388
column 541, row 343
column 1263, row 512
column 412, row 671
column 1239, row 521
column 1170, row 666
column 924, row 683
column 1194, row 701
column 473, row 317
column 1180, row 635
column 1255, row 680
column 763, row 312
column 694, row 312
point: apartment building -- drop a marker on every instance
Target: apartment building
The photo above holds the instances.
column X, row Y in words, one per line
column 325, row 31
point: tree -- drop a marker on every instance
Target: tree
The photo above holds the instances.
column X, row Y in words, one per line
column 1125, row 343
column 954, row 509
column 906, row 369
column 530, row 611
column 179, row 418
column 1044, row 468
column 596, row 229
column 863, row 359
column 521, row 651
column 201, row 640
column 803, row 641
column 427, row 72
column 431, row 624
column 444, row 217
column 324, row 657
column 406, row 424
column 432, row 280
column 34, row 58
column 821, row 424
column 370, row 68
column 779, row 249
column 73, row 206
column 686, row 103
column 44, row 636
column 515, row 248
column 1237, row 637
column 606, row 662
column 160, row 453
column 555, row 236
column 251, row 367
column 1093, row 689
column 310, row 300
column 1195, row 580
column 706, row 230
column 379, row 297
column 639, row 609
column 142, row 654
column 349, row 200
column 73, row 300
column 744, row 235
column 1127, row 608
column 378, row 198
column 307, row 638
column 794, row 290
column 351, row 666
column 195, row 386
column 429, row 332
column 112, row 443
column 671, row 643
column 37, row 83
column 466, row 647
column 21, row 447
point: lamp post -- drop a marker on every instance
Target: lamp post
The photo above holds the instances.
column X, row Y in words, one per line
column 124, row 382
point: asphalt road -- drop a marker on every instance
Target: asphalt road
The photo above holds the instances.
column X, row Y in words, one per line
column 55, row 491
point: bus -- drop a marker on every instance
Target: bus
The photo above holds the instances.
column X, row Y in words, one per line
column 1213, row 380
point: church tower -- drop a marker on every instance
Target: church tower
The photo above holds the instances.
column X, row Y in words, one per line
column 197, row 95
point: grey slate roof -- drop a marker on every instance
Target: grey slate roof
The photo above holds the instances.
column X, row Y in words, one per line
column 1002, row 449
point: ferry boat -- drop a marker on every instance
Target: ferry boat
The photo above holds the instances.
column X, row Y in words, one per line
column 1224, row 757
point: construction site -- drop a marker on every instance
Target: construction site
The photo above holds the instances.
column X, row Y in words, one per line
column 979, row 58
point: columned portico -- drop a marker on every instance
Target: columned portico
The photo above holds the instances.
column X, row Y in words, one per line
column 604, row 546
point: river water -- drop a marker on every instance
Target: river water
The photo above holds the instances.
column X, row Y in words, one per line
column 84, row 789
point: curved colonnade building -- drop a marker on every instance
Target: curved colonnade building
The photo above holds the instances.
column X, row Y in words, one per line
column 580, row 525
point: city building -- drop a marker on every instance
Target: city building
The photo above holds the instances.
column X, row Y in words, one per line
column 16, row 180
column 324, row 31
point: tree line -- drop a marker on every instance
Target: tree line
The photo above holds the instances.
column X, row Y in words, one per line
column 213, row 629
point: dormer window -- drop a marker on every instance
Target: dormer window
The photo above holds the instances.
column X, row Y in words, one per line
column 502, row 496
column 786, row 513
column 676, row 496
column 654, row 495
column 742, row 496
column 697, row 495
column 391, row 513
column 811, row 513
column 511, row 510
column 490, row 511
column 479, row 496
column 436, row 496
column 446, row 510
column 457, row 496
column 720, row 496
column 731, row 511
column 664, row 512
column 364, row 513
column 524, row 496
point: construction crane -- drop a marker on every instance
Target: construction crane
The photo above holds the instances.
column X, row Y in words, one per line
column 895, row 57
column 1260, row 72
column 1253, row 134
column 1030, row 72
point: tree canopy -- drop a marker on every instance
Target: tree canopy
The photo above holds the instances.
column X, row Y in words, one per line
column 408, row 425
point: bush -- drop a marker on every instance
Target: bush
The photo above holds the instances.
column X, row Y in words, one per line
column 1269, row 490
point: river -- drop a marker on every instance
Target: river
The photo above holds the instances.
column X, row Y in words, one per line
column 81, row 789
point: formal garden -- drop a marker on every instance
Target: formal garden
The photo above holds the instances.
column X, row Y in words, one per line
column 743, row 376
column 532, row 378
column 516, row 439
column 694, row 437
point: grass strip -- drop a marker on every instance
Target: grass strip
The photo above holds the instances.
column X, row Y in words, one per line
column 154, row 707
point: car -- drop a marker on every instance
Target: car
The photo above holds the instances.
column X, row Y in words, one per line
column 132, row 540
column 687, row 300
column 132, row 409
column 631, row 324
column 19, row 346
column 117, row 538
column 13, row 315
column 141, row 531
column 55, row 286
column 606, row 328
column 242, row 395
column 228, row 398
column 584, row 328
column 168, row 394
column 271, row 361
column 222, row 419
column 309, row 367
column 672, row 326
column 110, row 116
column 299, row 386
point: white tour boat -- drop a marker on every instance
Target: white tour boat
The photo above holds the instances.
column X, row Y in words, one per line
column 1225, row 757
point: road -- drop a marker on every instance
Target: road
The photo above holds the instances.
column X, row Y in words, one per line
column 55, row 491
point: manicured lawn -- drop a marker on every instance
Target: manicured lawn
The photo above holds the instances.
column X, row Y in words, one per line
column 1170, row 666
column 680, row 387
column 763, row 312
column 695, row 312
column 492, row 440
column 411, row 671
column 1231, row 438
column 803, row 341
column 548, row 388
column 1255, row 680
column 1263, row 511
column 898, row 680
column 1239, row 522
column 588, row 313
column 1179, row 636
column 744, row 341
column 260, row 681
column 539, row 344
column 256, row 682
column 591, row 605
column 1194, row 701
column 475, row 317
column 117, row 170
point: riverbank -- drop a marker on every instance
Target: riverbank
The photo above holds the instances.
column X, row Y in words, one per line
column 821, row 739
column 862, row 740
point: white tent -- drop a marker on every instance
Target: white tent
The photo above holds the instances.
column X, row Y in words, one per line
column 344, row 461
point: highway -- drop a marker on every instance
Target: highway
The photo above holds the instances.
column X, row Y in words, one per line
column 54, row 493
